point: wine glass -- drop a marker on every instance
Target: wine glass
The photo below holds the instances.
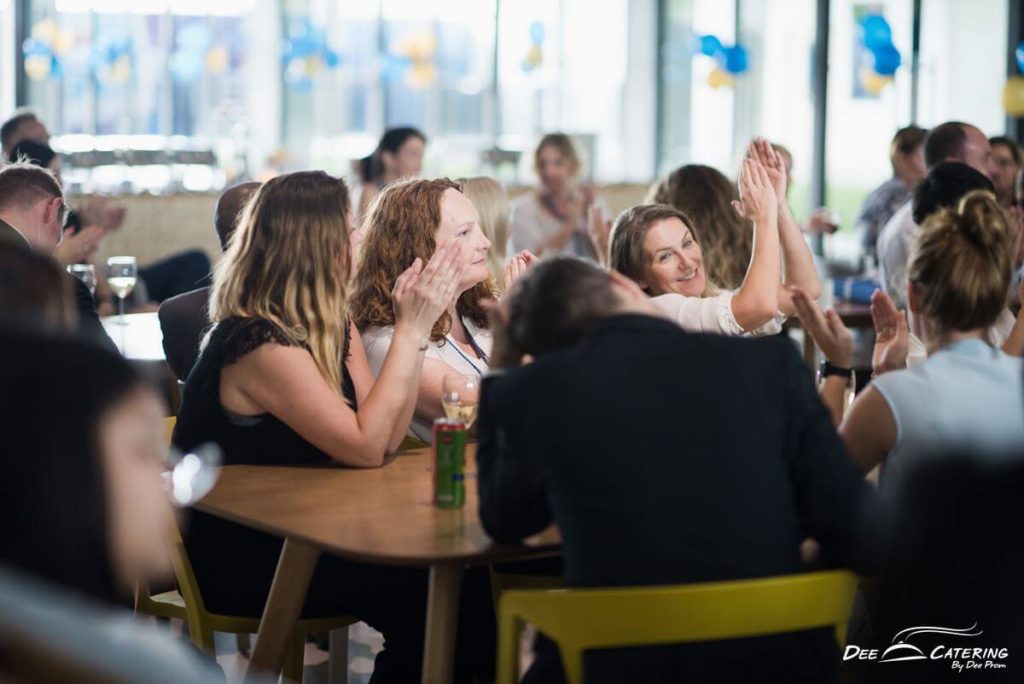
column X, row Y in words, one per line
column 122, row 272
column 460, row 395
column 86, row 273
column 191, row 476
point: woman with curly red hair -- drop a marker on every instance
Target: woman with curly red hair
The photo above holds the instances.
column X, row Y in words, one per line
column 405, row 222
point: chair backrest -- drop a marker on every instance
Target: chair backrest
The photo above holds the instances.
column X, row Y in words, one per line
column 188, row 586
column 582, row 619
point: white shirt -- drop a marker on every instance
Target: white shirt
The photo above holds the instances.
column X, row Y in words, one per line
column 894, row 245
column 966, row 396
column 377, row 341
column 711, row 314
column 531, row 225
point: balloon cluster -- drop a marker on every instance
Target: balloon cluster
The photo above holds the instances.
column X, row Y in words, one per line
column 305, row 54
column 876, row 37
column 195, row 52
column 1013, row 91
column 731, row 60
column 534, row 57
column 413, row 58
column 42, row 50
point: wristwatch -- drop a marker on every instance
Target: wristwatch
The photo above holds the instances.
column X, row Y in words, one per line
column 826, row 369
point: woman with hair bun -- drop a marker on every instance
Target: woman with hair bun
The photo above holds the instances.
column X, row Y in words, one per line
column 968, row 394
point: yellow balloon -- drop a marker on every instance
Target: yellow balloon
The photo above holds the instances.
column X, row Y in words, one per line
column 872, row 82
column 1013, row 96
column 535, row 57
column 217, row 59
column 421, row 75
column 719, row 78
column 37, row 67
column 120, row 71
column 312, row 66
column 46, row 31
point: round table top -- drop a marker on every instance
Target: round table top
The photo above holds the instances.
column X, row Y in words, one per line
column 380, row 515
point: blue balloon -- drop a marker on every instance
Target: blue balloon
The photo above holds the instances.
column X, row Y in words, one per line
column 710, row 45
column 1020, row 55
column 331, row 59
column 887, row 60
column 876, row 32
column 56, row 69
column 32, row 47
column 735, row 59
column 537, row 32
column 194, row 37
column 185, row 65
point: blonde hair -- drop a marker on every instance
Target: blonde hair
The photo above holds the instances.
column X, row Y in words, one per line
column 960, row 268
column 562, row 143
column 491, row 203
column 288, row 263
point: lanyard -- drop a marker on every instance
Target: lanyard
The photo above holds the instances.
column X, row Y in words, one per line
column 474, row 345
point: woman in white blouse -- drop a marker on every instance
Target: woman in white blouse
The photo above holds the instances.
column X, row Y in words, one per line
column 556, row 218
column 408, row 220
column 657, row 246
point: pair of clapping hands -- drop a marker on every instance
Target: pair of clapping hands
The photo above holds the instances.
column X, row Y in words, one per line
column 892, row 333
column 423, row 292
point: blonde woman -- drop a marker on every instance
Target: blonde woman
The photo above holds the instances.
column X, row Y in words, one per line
column 967, row 394
column 283, row 379
column 657, row 246
column 556, row 217
column 492, row 205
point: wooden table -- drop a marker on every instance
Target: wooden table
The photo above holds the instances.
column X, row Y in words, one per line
column 853, row 315
column 383, row 516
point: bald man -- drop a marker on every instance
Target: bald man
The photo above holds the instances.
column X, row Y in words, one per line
column 184, row 319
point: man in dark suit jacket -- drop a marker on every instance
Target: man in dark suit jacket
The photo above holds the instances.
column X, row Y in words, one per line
column 32, row 215
column 664, row 457
column 184, row 319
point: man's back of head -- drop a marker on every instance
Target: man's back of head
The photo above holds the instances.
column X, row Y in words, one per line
column 944, row 186
column 961, row 142
column 229, row 208
column 23, row 187
column 23, row 124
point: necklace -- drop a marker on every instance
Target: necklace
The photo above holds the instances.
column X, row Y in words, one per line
column 472, row 343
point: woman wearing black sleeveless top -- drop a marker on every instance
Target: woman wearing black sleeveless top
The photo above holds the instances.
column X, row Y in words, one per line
column 279, row 382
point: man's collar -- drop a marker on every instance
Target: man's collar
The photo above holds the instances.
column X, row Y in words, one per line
column 9, row 231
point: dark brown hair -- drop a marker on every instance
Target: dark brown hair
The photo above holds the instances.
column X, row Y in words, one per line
column 626, row 252
column 23, row 184
column 400, row 227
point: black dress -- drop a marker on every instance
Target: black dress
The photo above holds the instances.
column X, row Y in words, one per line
column 234, row 565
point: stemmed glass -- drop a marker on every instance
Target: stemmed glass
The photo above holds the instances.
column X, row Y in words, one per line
column 191, row 476
column 86, row 273
column 122, row 273
column 460, row 395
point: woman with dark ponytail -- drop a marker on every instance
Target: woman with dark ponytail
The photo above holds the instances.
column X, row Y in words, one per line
column 399, row 154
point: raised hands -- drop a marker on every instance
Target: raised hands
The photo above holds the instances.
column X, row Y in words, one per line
column 599, row 231
column 762, row 152
column 757, row 202
column 826, row 329
column 422, row 293
column 892, row 334
column 517, row 265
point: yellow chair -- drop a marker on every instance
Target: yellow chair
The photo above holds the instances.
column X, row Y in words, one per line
column 187, row 605
column 582, row 619
column 410, row 443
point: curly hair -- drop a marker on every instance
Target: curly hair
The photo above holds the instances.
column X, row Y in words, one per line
column 400, row 227
column 705, row 196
